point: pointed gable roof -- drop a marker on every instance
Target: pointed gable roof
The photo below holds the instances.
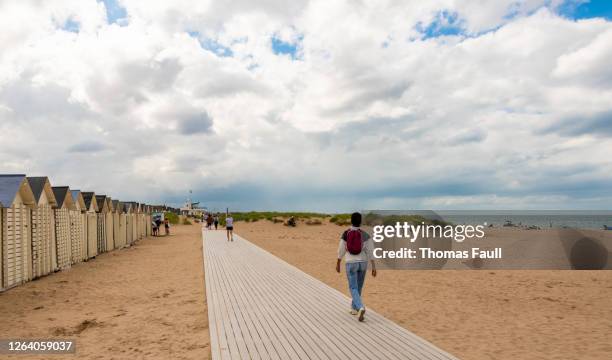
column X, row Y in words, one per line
column 111, row 204
column 63, row 197
column 102, row 205
column 90, row 200
column 77, row 198
column 10, row 185
column 40, row 184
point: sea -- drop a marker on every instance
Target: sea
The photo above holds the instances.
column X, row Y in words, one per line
column 537, row 218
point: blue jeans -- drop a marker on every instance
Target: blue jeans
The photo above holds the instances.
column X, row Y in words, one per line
column 356, row 272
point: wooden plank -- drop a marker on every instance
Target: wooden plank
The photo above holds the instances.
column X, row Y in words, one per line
column 391, row 340
column 261, row 307
column 289, row 316
column 258, row 326
column 284, row 348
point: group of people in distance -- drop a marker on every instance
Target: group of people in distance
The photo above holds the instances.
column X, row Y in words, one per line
column 211, row 220
column 157, row 223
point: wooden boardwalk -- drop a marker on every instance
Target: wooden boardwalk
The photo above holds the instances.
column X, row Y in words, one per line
column 260, row 307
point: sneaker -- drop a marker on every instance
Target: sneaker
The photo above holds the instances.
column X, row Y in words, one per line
column 361, row 314
column 353, row 312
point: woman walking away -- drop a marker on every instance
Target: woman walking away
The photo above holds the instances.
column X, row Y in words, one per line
column 356, row 248
column 167, row 227
column 216, row 219
column 229, row 226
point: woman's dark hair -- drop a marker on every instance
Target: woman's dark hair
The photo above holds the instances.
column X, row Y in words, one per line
column 356, row 219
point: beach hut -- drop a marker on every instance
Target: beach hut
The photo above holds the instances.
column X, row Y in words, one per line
column 140, row 231
column 129, row 223
column 44, row 247
column 119, row 224
column 148, row 227
column 110, row 231
column 16, row 202
column 92, row 223
column 137, row 224
column 78, row 231
column 62, row 226
column 102, row 211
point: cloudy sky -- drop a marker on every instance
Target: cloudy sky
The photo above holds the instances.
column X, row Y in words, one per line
column 313, row 105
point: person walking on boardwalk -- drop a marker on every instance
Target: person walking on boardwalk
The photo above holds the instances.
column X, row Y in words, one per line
column 229, row 226
column 356, row 248
column 216, row 220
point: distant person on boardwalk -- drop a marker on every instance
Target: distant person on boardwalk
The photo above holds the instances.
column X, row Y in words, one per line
column 216, row 220
column 229, row 226
column 209, row 221
column 167, row 226
column 356, row 248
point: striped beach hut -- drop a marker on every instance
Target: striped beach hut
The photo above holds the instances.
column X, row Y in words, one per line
column 119, row 224
column 78, row 231
column 92, row 223
column 63, row 237
column 129, row 223
column 102, row 211
column 148, row 220
column 16, row 202
column 110, row 224
column 139, row 222
column 44, row 247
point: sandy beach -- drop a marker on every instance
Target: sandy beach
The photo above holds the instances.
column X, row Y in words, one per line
column 142, row 302
column 148, row 301
column 501, row 314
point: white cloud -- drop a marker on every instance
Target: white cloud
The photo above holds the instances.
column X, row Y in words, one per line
column 371, row 112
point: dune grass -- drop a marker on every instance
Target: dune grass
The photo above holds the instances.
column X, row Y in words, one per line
column 172, row 218
column 273, row 216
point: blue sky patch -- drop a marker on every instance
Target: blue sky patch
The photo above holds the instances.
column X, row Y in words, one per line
column 211, row 45
column 71, row 26
column 444, row 24
column 115, row 13
column 576, row 9
column 280, row 47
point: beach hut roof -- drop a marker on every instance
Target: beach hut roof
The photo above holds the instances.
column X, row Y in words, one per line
column 63, row 197
column 102, row 204
column 10, row 185
column 131, row 205
column 111, row 204
column 117, row 206
column 40, row 184
column 89, row 198
column 77, row 198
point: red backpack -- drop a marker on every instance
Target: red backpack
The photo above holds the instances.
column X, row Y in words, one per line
column 354, row 242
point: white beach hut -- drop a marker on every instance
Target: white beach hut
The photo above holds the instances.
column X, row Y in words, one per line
column 119, row 224
column 137, row 225
column 129, row 223
column 78, row 232
column 16, row 202
column 92, row 223
column 110, row 232
column 44, row 248
column 102, row 211
column 63, row 237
